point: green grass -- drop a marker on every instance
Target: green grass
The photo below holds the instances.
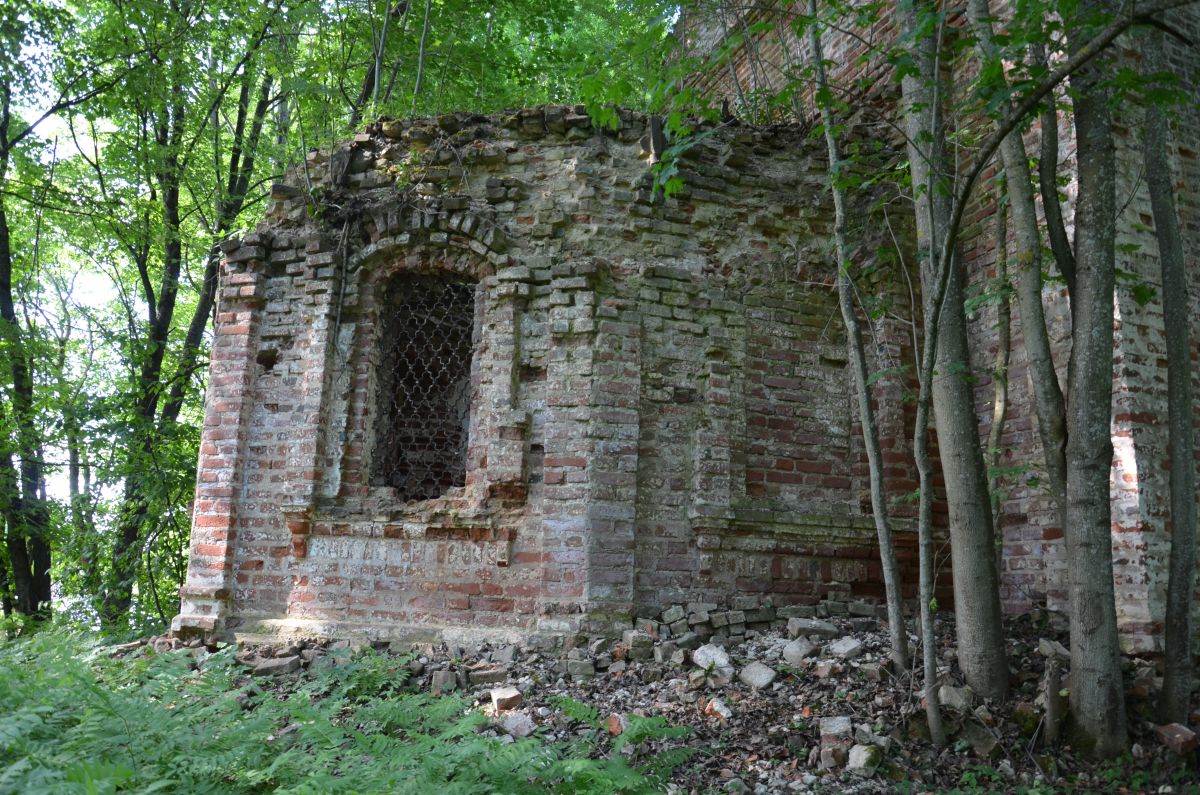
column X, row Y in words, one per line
column 74, row 720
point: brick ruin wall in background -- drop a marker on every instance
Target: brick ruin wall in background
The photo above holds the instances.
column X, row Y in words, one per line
column 660, row 397
column 1034, row 553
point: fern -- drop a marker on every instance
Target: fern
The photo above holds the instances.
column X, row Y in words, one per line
column 77, row 721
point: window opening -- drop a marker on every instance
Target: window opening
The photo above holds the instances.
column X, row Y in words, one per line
column 426, row 325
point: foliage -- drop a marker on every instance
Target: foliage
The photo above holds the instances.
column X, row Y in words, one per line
column 79, row 720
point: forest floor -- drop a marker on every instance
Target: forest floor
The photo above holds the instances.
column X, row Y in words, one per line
column 769, row 714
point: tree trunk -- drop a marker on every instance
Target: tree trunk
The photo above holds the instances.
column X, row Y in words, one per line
column 1000, row 367
column 972, row 538
column 858, row 359
column 27, row 519
column 1056, row 230
column 1047, row 394
column 1177, row 652
column 1097, row 695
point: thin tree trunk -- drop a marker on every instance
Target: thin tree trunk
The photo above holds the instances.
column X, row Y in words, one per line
column 420, row 59
column 1056, row 230
column 858, row 359
column 929, row 655
column 1097, row 695
column 241, row 169
column 977, row 613
column 1047, row 394
column 1000, row 366
column 1177, row 652
column 387, row 93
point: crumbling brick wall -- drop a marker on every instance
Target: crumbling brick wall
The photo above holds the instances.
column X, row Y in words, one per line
column 660, row 403
column 1034, row 564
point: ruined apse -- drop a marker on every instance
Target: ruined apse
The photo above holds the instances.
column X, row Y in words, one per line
column 472, row 374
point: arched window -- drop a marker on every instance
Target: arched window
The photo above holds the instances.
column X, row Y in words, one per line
column 423, row 384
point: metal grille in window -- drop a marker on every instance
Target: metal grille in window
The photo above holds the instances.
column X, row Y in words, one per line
column 424, row 385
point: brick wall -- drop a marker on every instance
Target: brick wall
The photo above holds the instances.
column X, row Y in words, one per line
column 661, row 404
column 1034, row 562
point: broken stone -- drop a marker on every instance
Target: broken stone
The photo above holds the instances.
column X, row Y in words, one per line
column 518, row 724
column 872, row 671
column 796, row 611
column 719, row 677
column 617, row 667
column 443, row 681
column 835, row 740
column 744, row 602
column 647, row 625
column 506, row 698
column 716, row 708
column 811, row 627
column 836, row 729
column 487, row 676
column 580, row 668
column 687, row 640
column 504, row 655
column 711, row 656
column 663, row 651
column 831, row 758
column 846, row 648
column 865, row 609
column 835, row 608
column 277, row 666
column 757, row 675
column 1052, row 648
column 957, row 698
column 827, row 669
column 863, row 760
column 864, row 736
column 796, row 652
column 1177, row 737
column 672, row 614
column 760, row 615
column 639, row 643
column 616, row 724
column 982, row 741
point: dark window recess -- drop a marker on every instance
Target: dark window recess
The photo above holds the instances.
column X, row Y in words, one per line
column 424, row 385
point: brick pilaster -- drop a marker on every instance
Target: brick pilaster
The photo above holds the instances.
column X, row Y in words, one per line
column 206, row 593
